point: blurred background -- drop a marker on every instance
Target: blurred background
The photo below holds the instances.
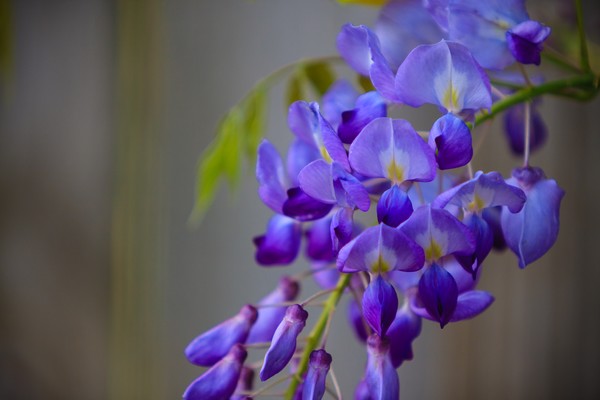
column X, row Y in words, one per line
column 105, row 108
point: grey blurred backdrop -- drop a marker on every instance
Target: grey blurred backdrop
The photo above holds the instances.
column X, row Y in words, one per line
column 105, row 108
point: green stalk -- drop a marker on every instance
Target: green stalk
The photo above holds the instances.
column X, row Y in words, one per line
column 561, row 87
column 314, row 338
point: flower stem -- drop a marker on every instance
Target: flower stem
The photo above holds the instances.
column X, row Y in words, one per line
column 314, row 338
column 582, row 87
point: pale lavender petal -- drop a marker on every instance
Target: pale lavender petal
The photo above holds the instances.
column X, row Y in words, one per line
column 340, row 97
column 353, row 46
column 439, row 233
column 471, row 304
column 403, row 25
column 316, row 180
column 457, row 82
column 380, row 249
column 299, row 155
column 392, row 149
column 533, row 231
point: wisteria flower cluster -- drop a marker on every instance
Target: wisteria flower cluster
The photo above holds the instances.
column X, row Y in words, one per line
column 436, row 220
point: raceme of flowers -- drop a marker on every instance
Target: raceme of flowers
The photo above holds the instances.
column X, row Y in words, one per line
column 436, row 221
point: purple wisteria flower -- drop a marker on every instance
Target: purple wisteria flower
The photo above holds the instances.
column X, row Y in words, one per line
column 213, row 345
column 283, row 344
column 318, row 367
column 348, row 112
column 379, row 305
column 380, row 376
column 269, row 317
column 220, row 381
column 531, row 232
column 485, row 26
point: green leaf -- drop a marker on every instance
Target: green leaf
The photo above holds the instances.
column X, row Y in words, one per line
column 320, row 75
column 222, row 158
column 255, row 120
column 207, row 178
column 231, row 133
column 365, row 83
column 294, row 90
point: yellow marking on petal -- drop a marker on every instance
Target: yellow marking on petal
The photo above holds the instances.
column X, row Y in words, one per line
column 395, row 173
column 433, row 251
column 380, row 265
column 450, row 99
column 325, row 154
column 476, row 205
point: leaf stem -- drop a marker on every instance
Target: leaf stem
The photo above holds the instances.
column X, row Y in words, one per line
column 583, row 50
column 314, row 338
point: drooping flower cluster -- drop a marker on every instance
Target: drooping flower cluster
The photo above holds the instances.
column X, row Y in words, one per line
column 436, row 222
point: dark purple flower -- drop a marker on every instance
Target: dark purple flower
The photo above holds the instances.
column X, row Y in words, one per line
column 283, row 344
column 531, row 232
column 438, row 292
column 394, row 207
column 356, row 320
column 281, row 243
column 245, row 384
column 318, row 367
column 379, row 305
column 405, row 328
column 269, row 317
column 468, row 305
column 220, row 380
column 380, row 375
column 451, row 139
column 319, row 246
column 484, row 240
column 302, row 207
column 514, row 127
column 491, row 215
column 369, row 106
column 211, row 346
column 525, row 41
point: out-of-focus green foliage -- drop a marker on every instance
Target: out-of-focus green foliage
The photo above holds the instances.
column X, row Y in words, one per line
column 243, row 127
column 364, row 2
column 5, row 40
